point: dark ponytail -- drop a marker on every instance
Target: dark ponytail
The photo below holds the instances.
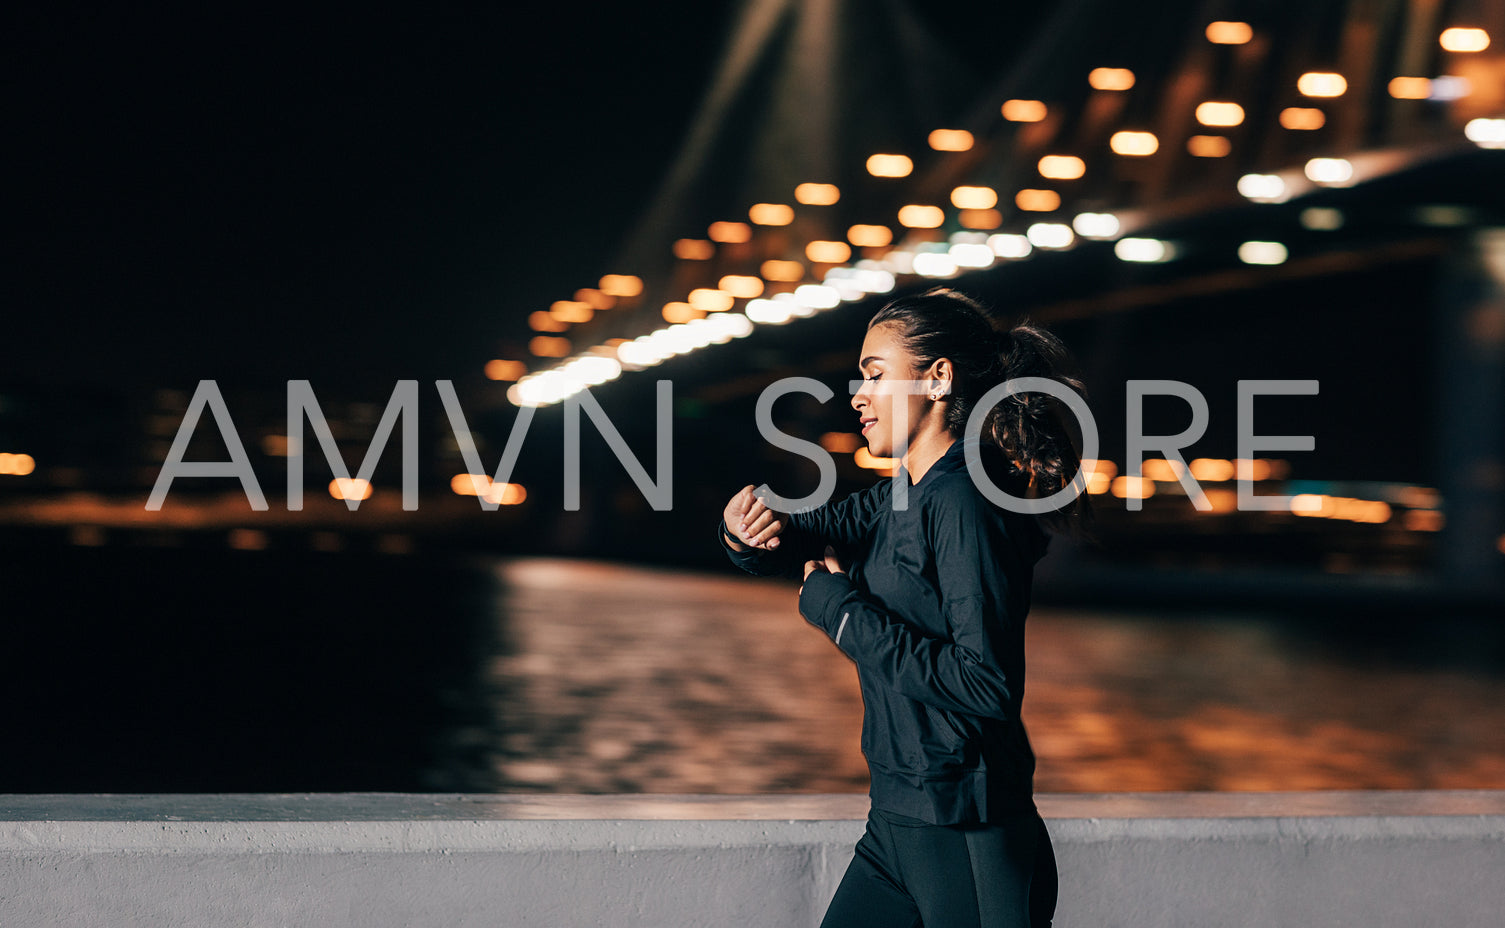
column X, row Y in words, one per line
column 1036, row 432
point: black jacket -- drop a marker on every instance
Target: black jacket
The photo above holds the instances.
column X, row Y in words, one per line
column 931, row 609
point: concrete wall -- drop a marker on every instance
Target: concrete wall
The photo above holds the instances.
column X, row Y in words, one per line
column 371, row 860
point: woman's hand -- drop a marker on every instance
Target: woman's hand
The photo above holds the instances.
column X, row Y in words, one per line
column 830, row 565
column 751, row 521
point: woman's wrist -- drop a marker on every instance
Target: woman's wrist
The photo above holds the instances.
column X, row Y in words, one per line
column 731, row 540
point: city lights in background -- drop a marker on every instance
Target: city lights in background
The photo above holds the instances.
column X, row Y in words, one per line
column 1322, row 84
column 504, row 494
column 890, row 165
column 1450, row 87
column 841, row 442
column 741, row 286
column 1317, row 505
column 867, row 236
column 499, row 369
column 730, row 233
column 1010, row 245
column 935, row 264
column 983, row 219
column 865, row 459
column 1110, row 78
column 625, row 285
column 916, row 216
column 865, row 278
column 1211, row 470
column 1062, row 167
column 1262, row 253
column 1126, row 487
column 594, row 298
column 507, row 494
column 1095, row 225
column 783, row 271
column 554, row 385
column 1143, row 250
column 1259, row 468
column 1037, row 201
column 817, row 194
column 951, row 140
column 1209, row 146
column 1464, row 39
column 710, row 300
column 469, row 484
column 971, row 254
column 1229, row 33
column 13, row 464
column 1024, row 110
column 1486, row 133
column 1410, row 88
column 350, row 488
column 978, row 213
column 1217, row 113
column 1050, row 235
column 1330, row 172
column 828, row 252
column 771, row 214
column 1302, row 118
column 785, row 307
column 1134, row 144
column 974, row 197
column 1100, row 473
column 571, row 311
column 1262, row 188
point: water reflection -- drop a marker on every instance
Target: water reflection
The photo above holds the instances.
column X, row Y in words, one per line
column 643, row 680
column 1139, row 702
column 636, row 679
column 188, row 670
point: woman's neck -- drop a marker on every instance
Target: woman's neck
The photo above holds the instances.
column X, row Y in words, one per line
column 926, row 449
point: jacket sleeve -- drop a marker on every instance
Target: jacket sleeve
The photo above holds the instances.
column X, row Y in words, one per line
column 962, row 672
column 842, row 524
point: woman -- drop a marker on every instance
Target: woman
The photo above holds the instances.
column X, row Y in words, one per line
column 928, row 598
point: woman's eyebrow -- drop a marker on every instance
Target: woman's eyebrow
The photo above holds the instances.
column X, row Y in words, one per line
column 867, row 360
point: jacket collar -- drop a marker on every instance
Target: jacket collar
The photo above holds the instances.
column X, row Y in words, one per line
column 952, row 460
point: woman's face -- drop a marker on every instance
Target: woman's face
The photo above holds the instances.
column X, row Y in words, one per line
column 885, row 404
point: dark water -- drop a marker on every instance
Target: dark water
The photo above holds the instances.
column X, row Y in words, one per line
column 144, row 669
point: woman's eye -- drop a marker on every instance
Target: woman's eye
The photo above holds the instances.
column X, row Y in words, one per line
column 874, row 376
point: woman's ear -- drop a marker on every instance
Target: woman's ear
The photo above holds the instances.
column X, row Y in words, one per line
column 942, row 369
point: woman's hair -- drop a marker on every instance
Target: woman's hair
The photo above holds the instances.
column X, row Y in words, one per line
column 1031, row 428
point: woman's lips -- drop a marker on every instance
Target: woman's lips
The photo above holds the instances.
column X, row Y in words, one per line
column 867, row 425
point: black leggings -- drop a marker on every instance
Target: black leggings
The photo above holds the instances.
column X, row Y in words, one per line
column 907, row 873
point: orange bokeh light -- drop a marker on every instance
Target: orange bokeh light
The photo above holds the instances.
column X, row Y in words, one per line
column 817, row 194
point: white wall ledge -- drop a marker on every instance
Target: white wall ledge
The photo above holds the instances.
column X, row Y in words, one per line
column 373, row 859
column 367, row 807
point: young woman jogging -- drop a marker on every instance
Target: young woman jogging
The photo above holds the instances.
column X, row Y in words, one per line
column 929, row 599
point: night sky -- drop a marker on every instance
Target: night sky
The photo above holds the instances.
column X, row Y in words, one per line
column 336, row 195
column 314, row 194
